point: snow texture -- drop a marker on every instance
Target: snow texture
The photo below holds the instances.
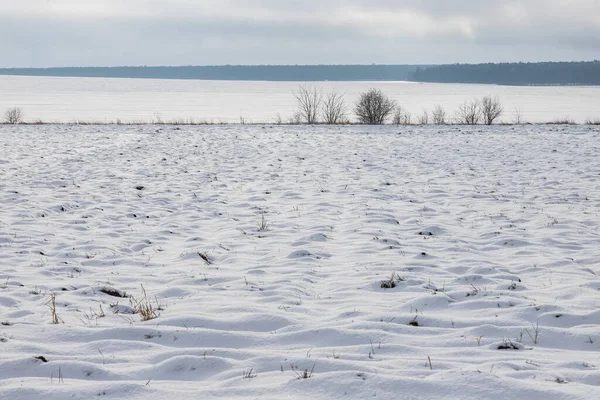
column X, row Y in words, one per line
column 263, row 250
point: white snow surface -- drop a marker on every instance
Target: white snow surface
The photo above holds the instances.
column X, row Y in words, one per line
column 491, row 235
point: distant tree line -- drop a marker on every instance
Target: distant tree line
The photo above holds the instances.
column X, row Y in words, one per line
column 307, row 73
column 544, row 73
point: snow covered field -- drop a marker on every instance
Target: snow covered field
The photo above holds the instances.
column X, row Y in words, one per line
column 262, row 251
column 106, row 99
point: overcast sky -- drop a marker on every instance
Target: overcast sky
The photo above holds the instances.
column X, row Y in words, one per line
column 44, row 33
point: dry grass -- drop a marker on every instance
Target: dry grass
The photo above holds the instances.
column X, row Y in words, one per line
column 303, row 374
column 249, row 374
column 403, row 118
column 52, row 304
column 93, row 316
column 391, row 282
column 562, row 121
column 143, row 306
column 263, row 225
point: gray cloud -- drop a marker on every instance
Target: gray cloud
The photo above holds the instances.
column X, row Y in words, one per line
column 182, row 32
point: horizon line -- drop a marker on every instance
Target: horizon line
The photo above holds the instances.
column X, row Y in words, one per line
column 302, row 65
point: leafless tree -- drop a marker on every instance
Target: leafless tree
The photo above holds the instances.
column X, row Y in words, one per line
column 401, row 116
column 439, row 115
column 491, row 109
column 333, row 109
column 296, row 119
column 398, row 117
column 469, row 113
column 13, row 115
column 309, row 101
column 373, row 107
column 518, row 117
column 278, row 120
column 424, row 118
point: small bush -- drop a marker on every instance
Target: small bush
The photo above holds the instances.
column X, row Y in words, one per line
column 373, row 107
column 309, row 100
column 424, row 118
column 491, row 109
column 469, row 113
column 333, row 109
column 518, row 117
column 401, row 117
column 13, row 115
column 438, row 115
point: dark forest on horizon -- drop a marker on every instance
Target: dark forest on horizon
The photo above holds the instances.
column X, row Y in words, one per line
column 539, row 73
column 544, row 73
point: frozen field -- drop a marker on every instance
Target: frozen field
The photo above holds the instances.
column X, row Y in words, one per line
column 262, row 251
column 105, row 99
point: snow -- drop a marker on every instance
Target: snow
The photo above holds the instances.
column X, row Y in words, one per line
column 262, row 250
column 62, row 99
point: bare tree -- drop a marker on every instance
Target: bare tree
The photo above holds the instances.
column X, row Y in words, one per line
column 13, row 115
column 469, row 113
column 278, row 120
column 373, row 107
column 296, row 119
column 439, row 115
column 491, row 109
column 398, row 116
column 333, row 109
column 518, row 117
column 424, row 118
column 401, row 116
column 309, row 101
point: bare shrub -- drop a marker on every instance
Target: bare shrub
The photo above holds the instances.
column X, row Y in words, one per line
column 518, row 117
column 309, row 101
column 13, row 115
column 373, row 107
column 469, row 113
column 424, row 118
column 491, row 109
column 398, row 116
column 401, row 117
column 333, row 109
column 590, row 121
column 438, row 115
column 295, row 119
column 158, row 119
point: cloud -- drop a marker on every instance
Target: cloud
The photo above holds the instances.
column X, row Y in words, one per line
column 181, row 32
